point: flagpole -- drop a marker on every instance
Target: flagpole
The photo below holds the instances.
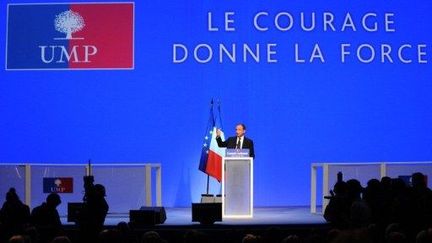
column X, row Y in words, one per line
column 221, row 126
column 208, row 176
column 220, row 114
column 208, row 184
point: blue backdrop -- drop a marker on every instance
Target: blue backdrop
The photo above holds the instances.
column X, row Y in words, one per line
column 297, row 113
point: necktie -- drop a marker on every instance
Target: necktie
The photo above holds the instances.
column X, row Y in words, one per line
column 238, row 143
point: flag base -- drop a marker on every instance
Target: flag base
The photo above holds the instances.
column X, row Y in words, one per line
column 207, row 198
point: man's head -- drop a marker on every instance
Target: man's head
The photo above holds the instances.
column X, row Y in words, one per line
column 418, row 180
column 240, row 129
column 53, row 200
column 100, row 190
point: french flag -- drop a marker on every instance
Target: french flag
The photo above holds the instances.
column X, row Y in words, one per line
column 211, row 154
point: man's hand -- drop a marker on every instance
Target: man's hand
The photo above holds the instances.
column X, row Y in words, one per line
column 218, row 132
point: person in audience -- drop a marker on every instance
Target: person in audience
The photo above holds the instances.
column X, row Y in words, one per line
column 397, row 237
column 109, row 236
column 315, row 237
column 374, row 231
column 353, row 236
column 46, row 214
column 291, row 239
column 337, row 210
column 360, row 213
column 151, row 237
column 332, row 234
column 18, row 239
column 401, row 204
column 46, row 219
column 250, row 238
column 14, row 214
column 61, row 239
column 387, row 200
column 193, row 236
column 125, row 232
column 272, row 235
column 33, row 234
column 421, row 197
column 373, row 196
column 424, row 236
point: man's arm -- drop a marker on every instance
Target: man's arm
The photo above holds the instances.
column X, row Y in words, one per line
column 221, row 143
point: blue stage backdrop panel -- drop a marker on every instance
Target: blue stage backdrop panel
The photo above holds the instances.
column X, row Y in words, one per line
column 355, row 93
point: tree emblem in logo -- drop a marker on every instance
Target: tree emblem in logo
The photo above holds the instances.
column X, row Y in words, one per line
column 57, row 182
column 68, row 22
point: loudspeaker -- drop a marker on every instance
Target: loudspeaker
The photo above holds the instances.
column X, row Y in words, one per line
column 206, row 213
column 147, row 216
column 74, row 211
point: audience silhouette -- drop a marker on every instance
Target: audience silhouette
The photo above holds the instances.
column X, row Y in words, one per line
column 385, row 211
column 390, row 205
column 94, row 211
column 14, row 215
column 46, row 218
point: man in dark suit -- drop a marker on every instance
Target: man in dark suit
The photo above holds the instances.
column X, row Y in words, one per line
column 239, row 141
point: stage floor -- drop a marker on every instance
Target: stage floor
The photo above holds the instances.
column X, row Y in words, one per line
column 262, row 216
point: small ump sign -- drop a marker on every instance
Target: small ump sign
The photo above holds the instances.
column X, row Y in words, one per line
column 58, row 184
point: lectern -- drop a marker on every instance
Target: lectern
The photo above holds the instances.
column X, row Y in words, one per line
column 237, row 184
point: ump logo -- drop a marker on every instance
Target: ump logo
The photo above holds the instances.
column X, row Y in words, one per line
column 58, row 185
column 68, row 22
column 70, row 36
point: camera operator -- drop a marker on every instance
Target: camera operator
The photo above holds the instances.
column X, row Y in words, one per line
column 95, row 209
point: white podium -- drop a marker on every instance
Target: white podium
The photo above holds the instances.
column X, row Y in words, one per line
column 237, row 186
